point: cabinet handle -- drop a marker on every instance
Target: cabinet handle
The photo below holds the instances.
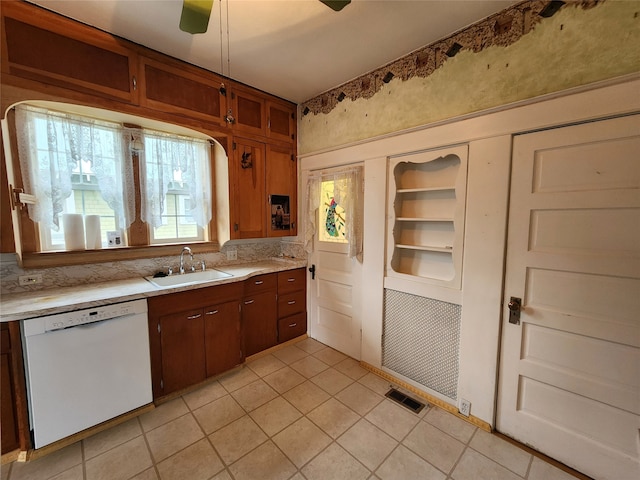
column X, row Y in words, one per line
column 134, row 81
column 291, row 279
column 291, row 302
column 212, row 312
column 293, row 325
column 248, row 302
column 193, row 317
column 259, row 282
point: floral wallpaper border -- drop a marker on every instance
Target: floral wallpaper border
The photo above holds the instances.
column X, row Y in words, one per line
column 502, row 29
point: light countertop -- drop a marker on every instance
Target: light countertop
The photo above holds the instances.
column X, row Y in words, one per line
column 20, row 306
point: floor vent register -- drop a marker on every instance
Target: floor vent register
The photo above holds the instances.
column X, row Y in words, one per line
column 404, row 400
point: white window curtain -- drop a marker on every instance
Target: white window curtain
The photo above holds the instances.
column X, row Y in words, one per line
column 169, row 158
column 51, row 145
column 348, row 192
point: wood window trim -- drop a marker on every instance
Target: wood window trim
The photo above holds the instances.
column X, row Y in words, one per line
column 28, row 237
column 60, row 259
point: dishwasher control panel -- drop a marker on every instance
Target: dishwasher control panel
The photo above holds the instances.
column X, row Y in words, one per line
column 83, row 317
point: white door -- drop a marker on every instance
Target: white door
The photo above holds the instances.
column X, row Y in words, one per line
column 569, row 382
column 334, row 287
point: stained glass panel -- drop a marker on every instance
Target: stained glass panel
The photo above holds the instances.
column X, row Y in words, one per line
column 331, row 225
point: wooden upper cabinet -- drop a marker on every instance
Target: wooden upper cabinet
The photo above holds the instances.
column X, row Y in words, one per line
column 281, row 121
column 45, row 47
column 248, row 109
column 281, row 186
column 247, row 197
column 181, row 89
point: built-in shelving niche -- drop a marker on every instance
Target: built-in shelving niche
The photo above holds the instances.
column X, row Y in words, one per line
column 426, row 195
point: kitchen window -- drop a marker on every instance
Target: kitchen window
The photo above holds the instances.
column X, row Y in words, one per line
column 142, row 186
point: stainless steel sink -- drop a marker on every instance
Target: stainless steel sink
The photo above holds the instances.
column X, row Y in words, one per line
column 209, row 275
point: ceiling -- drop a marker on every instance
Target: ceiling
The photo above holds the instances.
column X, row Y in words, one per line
column 295, row 49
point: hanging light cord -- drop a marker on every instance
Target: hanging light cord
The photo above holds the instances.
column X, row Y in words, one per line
column 228, row 44
column 221, row 60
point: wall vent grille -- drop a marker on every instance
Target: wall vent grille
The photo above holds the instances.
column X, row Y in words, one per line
column 421, row 340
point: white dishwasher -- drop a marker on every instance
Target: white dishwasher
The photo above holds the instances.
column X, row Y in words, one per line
column 85, row 367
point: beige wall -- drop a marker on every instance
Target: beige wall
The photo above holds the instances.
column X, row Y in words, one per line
column 574, row 47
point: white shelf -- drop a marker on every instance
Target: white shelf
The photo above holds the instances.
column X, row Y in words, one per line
column 426, row 189
column 426, row 193
column 420, row 219
column 426, row 248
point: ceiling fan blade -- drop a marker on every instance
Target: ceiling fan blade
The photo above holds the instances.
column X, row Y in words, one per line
column 195, row 15
column 336, row 5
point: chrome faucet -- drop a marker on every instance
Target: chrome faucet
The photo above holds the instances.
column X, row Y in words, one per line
column 188, row 250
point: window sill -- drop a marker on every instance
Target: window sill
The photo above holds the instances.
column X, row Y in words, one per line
column 83, row 257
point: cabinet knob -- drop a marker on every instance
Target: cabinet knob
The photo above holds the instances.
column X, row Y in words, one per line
column 291, row 279
column 249, row 302
column 193, row 317
column 212, row 312
column 293, row 325
column 134, row 82
column 291, row 302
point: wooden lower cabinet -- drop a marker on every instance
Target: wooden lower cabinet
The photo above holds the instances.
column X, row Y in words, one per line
column 183, row 350
column 204, row 332
column 259, row 313
column 222, row 337
column 292, row 304
column 14, row 422
column 188, row 345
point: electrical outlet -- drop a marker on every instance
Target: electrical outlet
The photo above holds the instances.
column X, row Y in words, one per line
column 465, row 407
column 232, row 254
column 30, row 279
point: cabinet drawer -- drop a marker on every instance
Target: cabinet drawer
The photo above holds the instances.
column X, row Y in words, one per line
column 291, row 303
column 291, row 280
column 259, row 284
column 292, row 327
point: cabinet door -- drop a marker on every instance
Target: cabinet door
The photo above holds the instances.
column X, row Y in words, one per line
column 281, row 184
column 259, row 319
column 43, row 47
column 247, row 197
column 14, row 419
column 182, row 90
column 183, row 354
column 281, row 121
column 7, row 407
column 248, row 108
column 223, row 337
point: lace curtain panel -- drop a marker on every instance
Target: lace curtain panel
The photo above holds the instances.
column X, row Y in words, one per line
column 168, row 160
column 51, row 147
column 348, row 192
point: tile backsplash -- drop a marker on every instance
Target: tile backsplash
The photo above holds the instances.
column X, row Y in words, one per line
column 67, row 276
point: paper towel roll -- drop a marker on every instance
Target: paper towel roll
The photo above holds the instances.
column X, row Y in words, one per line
column 92, row 235
column 73, row 231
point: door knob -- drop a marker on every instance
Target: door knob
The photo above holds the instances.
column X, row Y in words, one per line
column 312, row 269
column 515, row 306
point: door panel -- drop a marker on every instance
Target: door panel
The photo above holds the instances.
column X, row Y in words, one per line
column 332, row 317
column 570, row 371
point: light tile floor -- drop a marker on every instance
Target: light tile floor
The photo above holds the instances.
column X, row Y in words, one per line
column 302, row 412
